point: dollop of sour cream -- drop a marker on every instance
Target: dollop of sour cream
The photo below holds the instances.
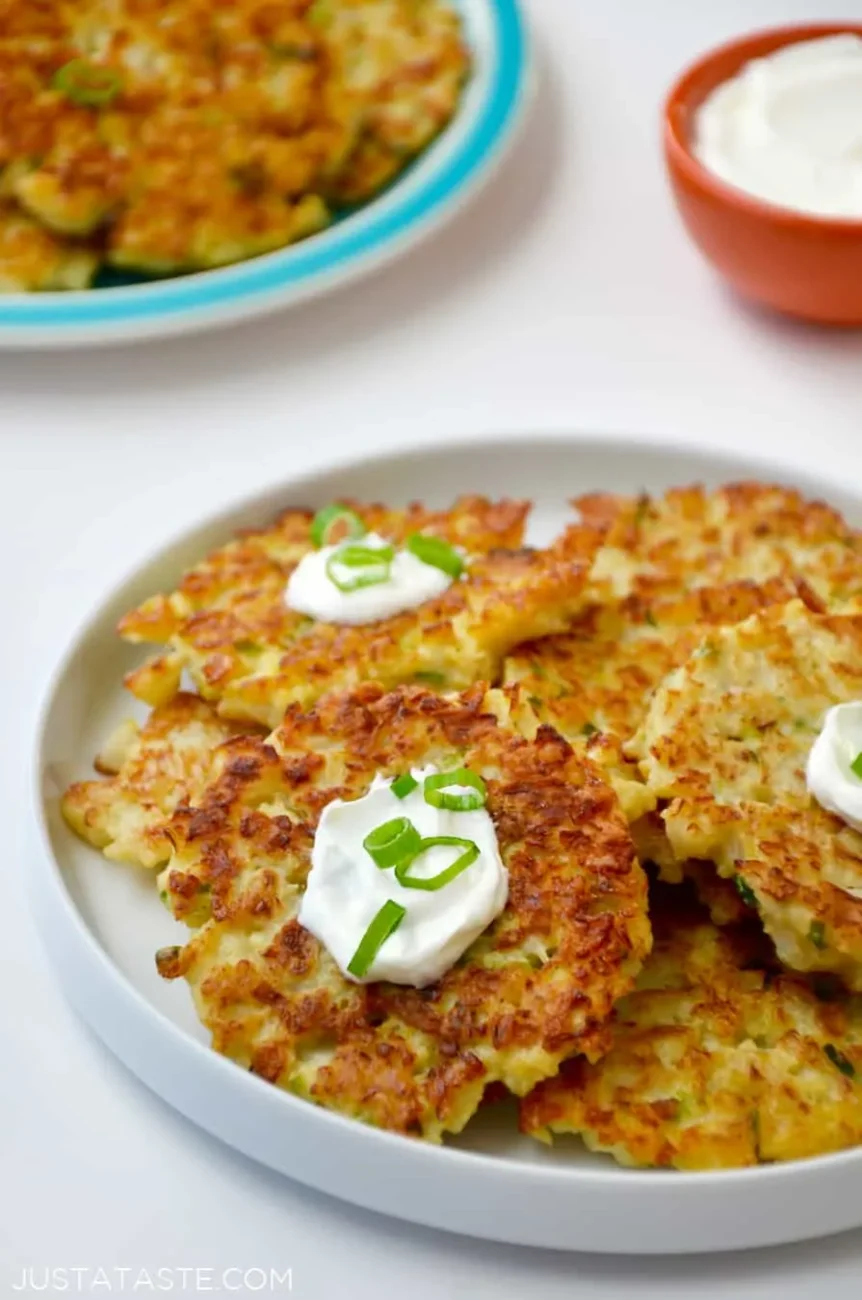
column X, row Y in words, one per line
column 829, row 775
column 409, row 583
column 346, row 889
column 788, row 127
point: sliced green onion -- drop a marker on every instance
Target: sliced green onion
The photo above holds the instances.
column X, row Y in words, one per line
column 469, row 856
column 403, row 785
column 840, row 1061
column 439, row 796
column 368, row 574
column 437, row 553
column 88, row 84
column 384, row 925
column 362, row 557
column 746, row 893
column 334, row 523
column 817, row 934
column 393, row 843
column 856, row 765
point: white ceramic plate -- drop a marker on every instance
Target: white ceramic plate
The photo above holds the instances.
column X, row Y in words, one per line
column 420, row 201
column 102, row 924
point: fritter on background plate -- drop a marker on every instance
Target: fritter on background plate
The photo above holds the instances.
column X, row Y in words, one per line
column 537, row 986
column 176, row 135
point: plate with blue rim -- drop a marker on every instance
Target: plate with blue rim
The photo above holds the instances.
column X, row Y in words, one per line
column 433, row 189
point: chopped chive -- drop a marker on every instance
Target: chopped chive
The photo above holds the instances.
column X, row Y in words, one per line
column 438, row 794
column 746, row 893
column 466, row 859
column 163, row 895
column 840, row 1061
column 650, row 619
column 384, row 925
column 392, row 843
column 535, row 703
column 437, row 553
column 403, row 785
column 430, row 679
column 817, row 934
column 88, row 84
column 856, row 765
column 642, row 508
column 588, row 729
column 336, row 524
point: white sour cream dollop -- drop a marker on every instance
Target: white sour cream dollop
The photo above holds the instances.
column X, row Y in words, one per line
column 346, row 889
column 831, row 780
column 410, row 582
column 788, row 127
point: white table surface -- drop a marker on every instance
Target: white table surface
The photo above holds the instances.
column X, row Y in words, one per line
column 565, row 297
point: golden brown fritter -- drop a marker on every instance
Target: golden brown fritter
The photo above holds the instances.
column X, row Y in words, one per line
column 406, row 63
column 33, row 259
column 595, row 681
column 739, row 532
column 148, row 771
column 538, row 985
column 718, row 1060
column 185, row 135
column 726, row 740
column 228, row 624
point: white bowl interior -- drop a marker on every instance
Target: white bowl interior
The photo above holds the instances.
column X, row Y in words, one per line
column 119, row 906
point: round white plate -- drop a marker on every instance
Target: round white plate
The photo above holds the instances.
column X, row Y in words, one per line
column 102, row 924
column 433, row 189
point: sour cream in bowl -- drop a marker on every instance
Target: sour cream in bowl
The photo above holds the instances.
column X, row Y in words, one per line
column 763, row 143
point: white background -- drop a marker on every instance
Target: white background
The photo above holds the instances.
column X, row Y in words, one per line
column 566, row 297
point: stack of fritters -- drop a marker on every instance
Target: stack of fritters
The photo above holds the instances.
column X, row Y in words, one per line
column 648, row 687
column 166, row 136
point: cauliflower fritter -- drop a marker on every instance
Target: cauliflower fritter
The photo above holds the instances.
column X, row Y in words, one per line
column 148, row 772
column 594, row 682
column 33, row 259
column 726, row 740
column 691, row 537
column 718, row 1059
column 538, row 985
column 182, row 135
column 229, row 625
column 407, row 63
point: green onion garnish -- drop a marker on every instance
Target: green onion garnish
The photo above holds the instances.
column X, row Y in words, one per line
column 372, row 565
column 437, row 553
column 335, row 523
column 469, row 856
column 746, row 893
column 354, row 556
column 840, row 1061
column 385, row 923
column 439, row 796
column 403, row 785
column 393, row 843
column 88, row 84
column 856, row 766
column 817, row 934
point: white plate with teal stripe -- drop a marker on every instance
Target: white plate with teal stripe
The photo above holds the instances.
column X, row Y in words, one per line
column 430, row 192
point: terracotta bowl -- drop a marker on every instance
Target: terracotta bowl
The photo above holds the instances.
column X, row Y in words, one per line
column 806, row 266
